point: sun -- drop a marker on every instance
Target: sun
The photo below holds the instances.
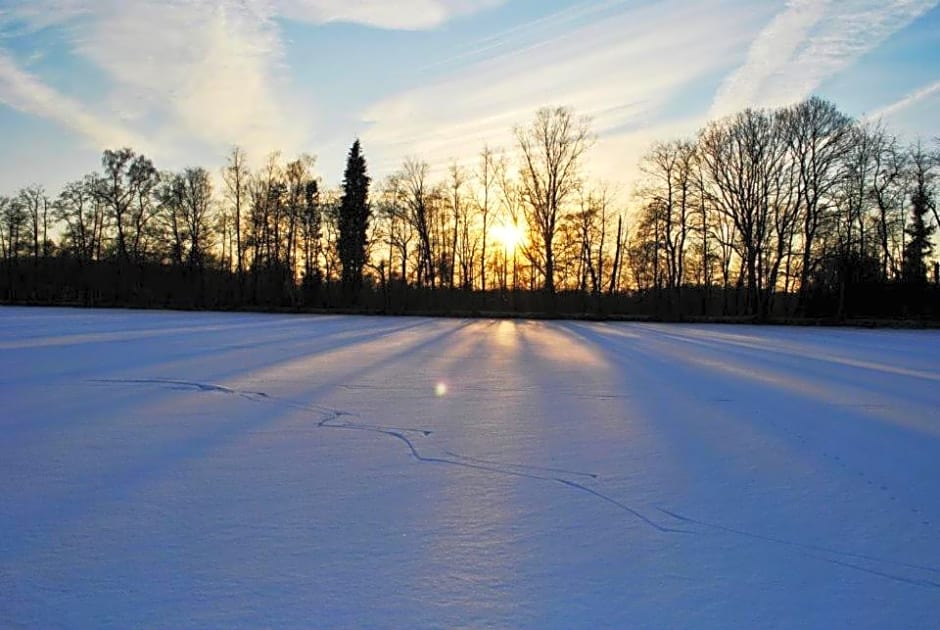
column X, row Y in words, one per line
column 509, row 236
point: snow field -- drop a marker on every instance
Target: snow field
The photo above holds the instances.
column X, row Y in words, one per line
column 236, row 470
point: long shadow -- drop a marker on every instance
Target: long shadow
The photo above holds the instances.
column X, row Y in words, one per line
column 36, row 342
column 61, row 511
column 68, row 510
column 530, row 356
column 346, row 338
column 848, row 373
column 102, row 359
column 335, row 419
column 686, row 366
column 603, row 342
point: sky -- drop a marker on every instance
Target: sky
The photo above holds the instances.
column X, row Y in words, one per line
column 184, row 80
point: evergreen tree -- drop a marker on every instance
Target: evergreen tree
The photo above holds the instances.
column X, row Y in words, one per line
column 354, row 214
column 919, row 247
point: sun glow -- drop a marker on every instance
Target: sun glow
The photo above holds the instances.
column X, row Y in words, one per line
column 508, row 235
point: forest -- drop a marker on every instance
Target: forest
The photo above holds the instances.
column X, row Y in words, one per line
column 798, row 212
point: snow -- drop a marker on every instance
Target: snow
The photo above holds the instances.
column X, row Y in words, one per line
column 197, row 470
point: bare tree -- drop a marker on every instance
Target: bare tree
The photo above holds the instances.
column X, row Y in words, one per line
column 818, row 136
column 744, row 159
column 266, row 192
column 670, row 169
column 888, row 191
column 297, row 174
column 125, row 188
column 469, row 246
column 552, row 148
column 171, row 194
column 13, row 219
column 512, row 203
column 619, row 244
column 236, row 177
column 487, row 177
column 591, row 223
column 643, row 249
column 399, row 231
column 457, row 179
column 420, row 199
column 34, row 200
column 197, row 208
column 83, row 215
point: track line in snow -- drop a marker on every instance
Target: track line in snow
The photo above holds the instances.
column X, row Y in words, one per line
column 840, row 553
column 204, row 387
column 854, row 471
column 332, row 414
column 525, row 466
column 332, row 419
column 518, row 473
column 883, row 574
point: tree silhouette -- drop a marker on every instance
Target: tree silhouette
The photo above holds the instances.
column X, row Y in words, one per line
column 354, row 214
column 919, row 247
column 794, row 211
column 552, row 148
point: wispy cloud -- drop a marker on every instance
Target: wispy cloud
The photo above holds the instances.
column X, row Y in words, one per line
column 183, row 79
column 25, row 92
column 401, row 14
column 619, row 68
column 907, row 101
column 808, row 42
column 773, row 49
column 209, row 71
column 542, row 29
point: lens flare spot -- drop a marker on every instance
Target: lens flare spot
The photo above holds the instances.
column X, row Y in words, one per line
column 440, row 389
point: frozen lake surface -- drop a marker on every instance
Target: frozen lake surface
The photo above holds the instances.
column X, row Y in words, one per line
column 191, row 470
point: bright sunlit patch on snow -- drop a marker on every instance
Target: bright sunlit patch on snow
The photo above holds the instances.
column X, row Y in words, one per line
column 506, row 334
column 440, row 389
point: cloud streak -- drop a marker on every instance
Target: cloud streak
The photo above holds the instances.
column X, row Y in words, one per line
column 27, row 93
column 769, row 54
column 909, row 100
column 401, row 14
column 209, row 71
column 618, row 68
column 211, row 75
column 184, row 79
column 809, row 42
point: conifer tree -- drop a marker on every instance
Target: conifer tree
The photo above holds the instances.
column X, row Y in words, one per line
column 919, row 247
column 354, row 214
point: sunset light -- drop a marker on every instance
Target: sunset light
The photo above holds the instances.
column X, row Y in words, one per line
column 509, row 236
column 493, row 313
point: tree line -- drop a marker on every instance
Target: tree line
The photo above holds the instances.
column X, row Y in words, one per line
column 801, row 203
column 795, row 211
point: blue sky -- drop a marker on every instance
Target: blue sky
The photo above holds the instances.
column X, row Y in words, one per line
column 183, row 80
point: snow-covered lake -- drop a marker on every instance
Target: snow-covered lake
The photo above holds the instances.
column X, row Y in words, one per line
column 189, row 470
